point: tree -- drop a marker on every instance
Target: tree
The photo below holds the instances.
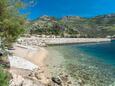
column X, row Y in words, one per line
column 12, row 24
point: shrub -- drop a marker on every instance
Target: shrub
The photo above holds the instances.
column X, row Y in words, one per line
column 4, row 77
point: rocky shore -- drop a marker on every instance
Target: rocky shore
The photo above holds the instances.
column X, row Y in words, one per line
column 36, row 41
column 28, row 67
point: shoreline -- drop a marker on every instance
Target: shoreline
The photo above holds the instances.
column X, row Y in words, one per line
column 35, row 56
column 36, row 41
column 28, row 49
column 31, row 54
column 88, row 66
column 62, row 41
column 40, row 58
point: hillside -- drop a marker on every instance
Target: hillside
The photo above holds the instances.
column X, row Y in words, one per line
column 75, row 26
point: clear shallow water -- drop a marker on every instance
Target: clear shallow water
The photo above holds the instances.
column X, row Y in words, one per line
column 93, row 64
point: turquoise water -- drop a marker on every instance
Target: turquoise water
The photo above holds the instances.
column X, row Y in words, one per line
column 102, row 51
column 93, row 64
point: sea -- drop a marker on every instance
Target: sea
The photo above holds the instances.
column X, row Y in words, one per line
column 92, row 63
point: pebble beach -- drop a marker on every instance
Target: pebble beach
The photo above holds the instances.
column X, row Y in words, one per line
column 30, row 54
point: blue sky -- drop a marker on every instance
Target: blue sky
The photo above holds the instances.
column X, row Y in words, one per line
column 59, row 8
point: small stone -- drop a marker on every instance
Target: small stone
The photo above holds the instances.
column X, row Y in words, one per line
column 66, row 75
column 37, row 76
column 61, row 74
column 47, row 65
column 56, row 80
column 65, row 79
column 48, row 77
column 54, row 66
column 41, row 71
column 69, row 82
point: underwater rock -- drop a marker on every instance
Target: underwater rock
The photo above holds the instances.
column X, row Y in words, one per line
column 56, row 80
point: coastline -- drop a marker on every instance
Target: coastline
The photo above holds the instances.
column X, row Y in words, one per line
column 39, row 57
column 57, row 41
column 36, row 41
column 35, row 56
column 29, row 49
column 81, row 66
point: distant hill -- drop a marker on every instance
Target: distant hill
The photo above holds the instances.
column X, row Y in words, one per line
column 75, row 26
column 104, row 19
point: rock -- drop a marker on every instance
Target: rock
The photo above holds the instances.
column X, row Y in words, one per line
column 56, row 80
column 5, row 64
column 61, row 73
column 69, row 82
column 43, row 44
column 28, row 82
column 64, row 78
column 37, row 76
column 1, row 54
column 18, row 80
column 19, row 62
column 41, row 71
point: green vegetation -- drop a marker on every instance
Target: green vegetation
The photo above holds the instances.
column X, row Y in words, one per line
column 75, row 26
column 4, row 77
column 46, row 26
column 11, row 22
column 12, row 25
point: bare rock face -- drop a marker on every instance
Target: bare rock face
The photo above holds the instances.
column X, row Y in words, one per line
column 21, row 81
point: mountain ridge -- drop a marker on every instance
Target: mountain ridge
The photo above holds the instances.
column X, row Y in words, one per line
column 99, row 26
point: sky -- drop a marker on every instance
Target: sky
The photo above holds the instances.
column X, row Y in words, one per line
column 60, row 8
